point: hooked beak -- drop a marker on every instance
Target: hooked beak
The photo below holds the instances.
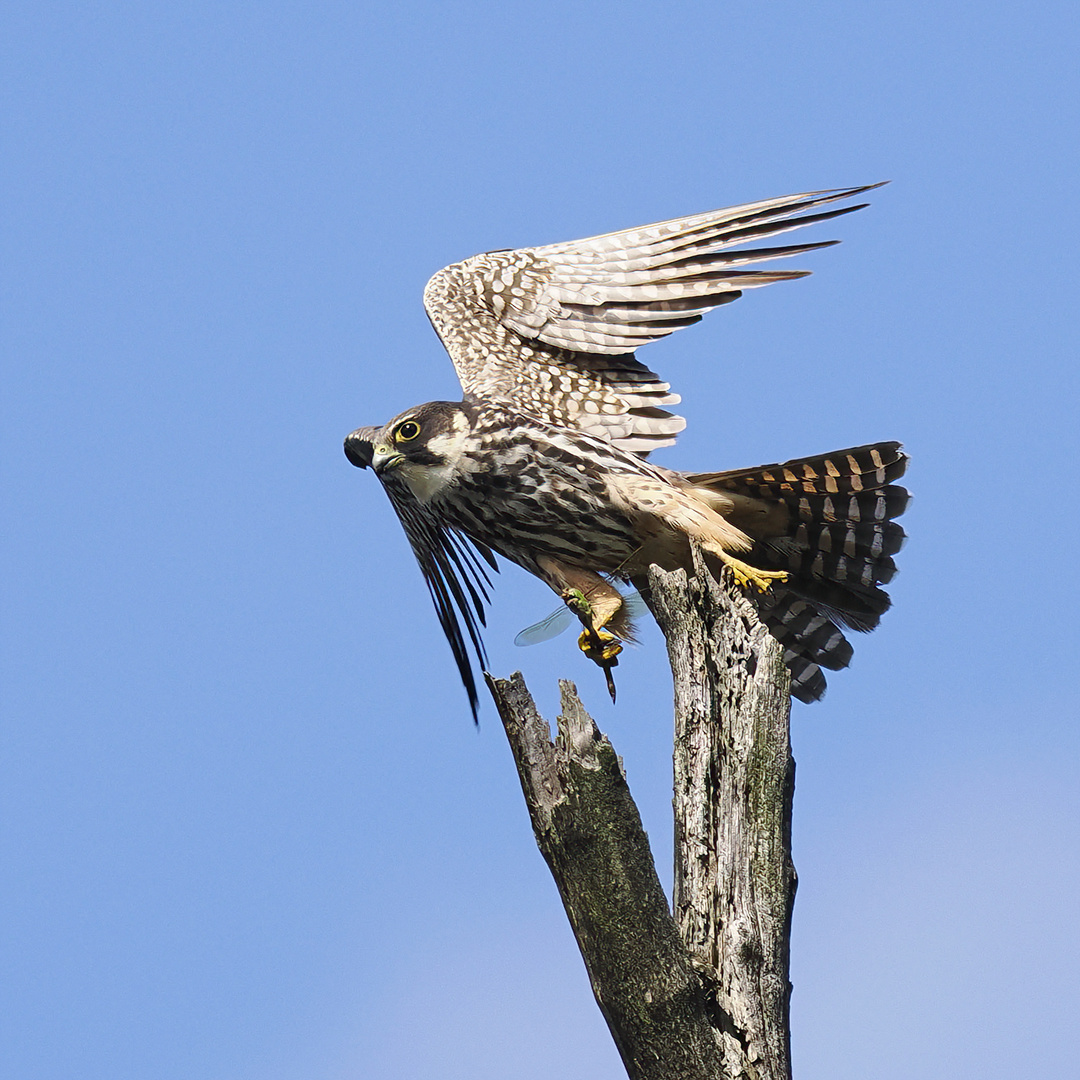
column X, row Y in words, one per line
column 385, row 458
column 360, row 446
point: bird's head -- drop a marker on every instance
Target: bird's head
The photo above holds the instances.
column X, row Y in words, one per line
column 422, row 446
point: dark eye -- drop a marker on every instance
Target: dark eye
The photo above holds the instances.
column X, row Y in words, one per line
column 409, row 430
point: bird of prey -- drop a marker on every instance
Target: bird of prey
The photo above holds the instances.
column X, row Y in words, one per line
column 545, row 459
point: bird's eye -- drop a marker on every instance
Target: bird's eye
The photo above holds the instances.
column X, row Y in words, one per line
column 407, row 431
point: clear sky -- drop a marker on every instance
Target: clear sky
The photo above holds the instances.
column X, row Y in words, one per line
column 249, row 829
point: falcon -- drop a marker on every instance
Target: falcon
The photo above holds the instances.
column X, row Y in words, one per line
column 544, row 461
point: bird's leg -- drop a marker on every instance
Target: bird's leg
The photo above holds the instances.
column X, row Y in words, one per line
column 593, row 600
column 687, row 511
column 746, row 575
column 595, row 642
column 595, row 603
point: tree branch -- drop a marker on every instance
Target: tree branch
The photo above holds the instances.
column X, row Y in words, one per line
column 589, row 831
column 703, row 996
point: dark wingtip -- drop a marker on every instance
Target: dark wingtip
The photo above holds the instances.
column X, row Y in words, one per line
column 849, row 193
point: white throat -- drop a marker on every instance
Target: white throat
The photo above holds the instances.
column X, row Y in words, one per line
column 427, row 481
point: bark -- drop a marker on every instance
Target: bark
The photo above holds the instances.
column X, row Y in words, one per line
column 589, row 831
column 704, row 994
column 734, row 784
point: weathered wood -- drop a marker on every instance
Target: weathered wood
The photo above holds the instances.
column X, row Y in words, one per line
column 703, row 996
column 734, row 783
column 662, row 1017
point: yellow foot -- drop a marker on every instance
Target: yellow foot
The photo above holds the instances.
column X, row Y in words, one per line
column 600, row 647
column 750, row 576
column 595, row 642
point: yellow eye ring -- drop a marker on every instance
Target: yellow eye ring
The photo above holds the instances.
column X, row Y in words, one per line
column 407, row 431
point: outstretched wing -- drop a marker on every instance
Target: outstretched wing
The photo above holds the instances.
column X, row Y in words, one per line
column 553, row 329
column 450, row 562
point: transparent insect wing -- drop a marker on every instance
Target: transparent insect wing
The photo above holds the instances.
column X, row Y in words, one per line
column 562, row 618
column 546, row 629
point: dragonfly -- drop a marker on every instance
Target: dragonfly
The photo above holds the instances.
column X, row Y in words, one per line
column 562, row 618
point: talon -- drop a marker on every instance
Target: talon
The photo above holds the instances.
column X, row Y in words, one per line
column 603, row 650
column 747, row 576
column 600, row 647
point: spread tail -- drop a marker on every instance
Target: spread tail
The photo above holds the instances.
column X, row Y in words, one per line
column 827, row 521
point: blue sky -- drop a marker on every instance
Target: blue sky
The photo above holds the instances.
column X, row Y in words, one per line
column 249, row 828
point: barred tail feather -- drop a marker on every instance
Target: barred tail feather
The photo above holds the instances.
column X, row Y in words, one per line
column 836, row 540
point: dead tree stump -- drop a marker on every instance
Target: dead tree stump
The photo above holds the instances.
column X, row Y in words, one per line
column 702, row 995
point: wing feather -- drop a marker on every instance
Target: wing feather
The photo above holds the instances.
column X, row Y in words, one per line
column 552, row 329
column 456, row 581
column 450, row 562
